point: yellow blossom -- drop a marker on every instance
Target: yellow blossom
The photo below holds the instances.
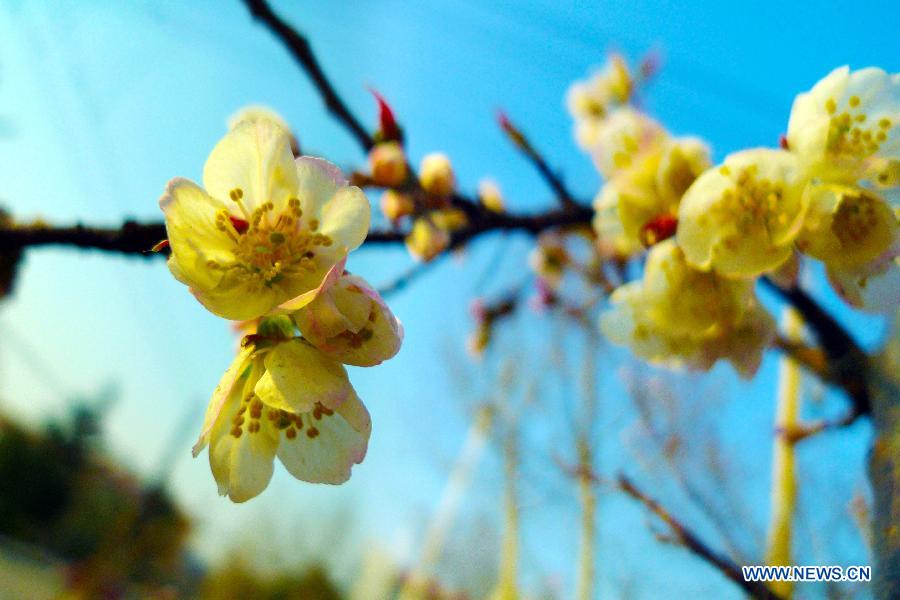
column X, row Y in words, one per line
column 591, row 101
column 681, row 317
column 605, row 89
column 686, row 301
column 255, row 113
column 436, row 175
column 847, row 127
column 846, row 226
column 611, row 236
column 645, row 192
column 282, row 397
column 623, row 139
column 264, row 228
column 741, row 218
column 426, row 240
column 387, row 163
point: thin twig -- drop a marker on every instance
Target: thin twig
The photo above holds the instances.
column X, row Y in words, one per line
column 531, row 153
column 695, row 545
column 301, row 50
column 406, row 277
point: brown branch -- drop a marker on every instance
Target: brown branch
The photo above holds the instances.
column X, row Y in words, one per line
column 848, row 364
column 301, row 50
column 130, row 238
column 692, row 542
column 139, row 238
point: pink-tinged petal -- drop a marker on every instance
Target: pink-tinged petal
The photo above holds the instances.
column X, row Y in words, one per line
column 332, row 277
column 255, row 157
column 329, row 170
column 298, row 377
column 325, row 449
column 367, row 332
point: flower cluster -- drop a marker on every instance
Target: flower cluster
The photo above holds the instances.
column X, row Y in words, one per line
column 265, row 241
column 829, row 193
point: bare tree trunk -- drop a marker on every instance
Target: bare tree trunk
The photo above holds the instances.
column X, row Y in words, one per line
column 884, row 468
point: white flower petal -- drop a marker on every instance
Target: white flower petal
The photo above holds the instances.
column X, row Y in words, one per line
column 254, row 157
column 326, row 449
column 192, row 233
column 231, row 380
column 346, row 218
column 298, row 376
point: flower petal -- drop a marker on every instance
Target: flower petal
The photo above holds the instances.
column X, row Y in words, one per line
column 230, row 381
column 333, row 275
column 238, row 298
column 298, row 376
column 256, row 158
column 193, row 236
column 351, row 324
column 741, row 218
column 346, row 218
column 242, row 465
column 847, row 226
column 328, row 447
column 242, row 445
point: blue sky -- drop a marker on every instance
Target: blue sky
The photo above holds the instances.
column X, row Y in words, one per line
column 101, row 106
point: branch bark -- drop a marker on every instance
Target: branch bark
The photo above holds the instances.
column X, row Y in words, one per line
column 301, row 50
column 848, row 364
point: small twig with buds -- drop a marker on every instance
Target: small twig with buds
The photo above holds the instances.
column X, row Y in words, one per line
column 525, row 146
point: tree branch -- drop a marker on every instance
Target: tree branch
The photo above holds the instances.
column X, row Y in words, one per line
column 139, row 238
column 301, row 50
column 848, row 364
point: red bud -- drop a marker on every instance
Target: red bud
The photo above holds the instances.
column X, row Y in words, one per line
column 387, row 123
column 510, row 130
column 783, row 142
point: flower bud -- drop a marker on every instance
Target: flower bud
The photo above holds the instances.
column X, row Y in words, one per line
column 490, row 197
column 426, row 240
column 396, row 205
column 436, row 175
column 387, row 163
